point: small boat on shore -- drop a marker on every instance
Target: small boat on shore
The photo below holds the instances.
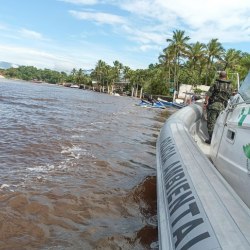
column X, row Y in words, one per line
column 203, row 190
column 164, row 102
column 154, row 104
column 174, row 104
column 37, row 81
column 74, row 86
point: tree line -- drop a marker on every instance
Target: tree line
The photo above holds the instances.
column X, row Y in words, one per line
column 180, row 62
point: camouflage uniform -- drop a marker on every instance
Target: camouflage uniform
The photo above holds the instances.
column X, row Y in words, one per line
column 218, row 94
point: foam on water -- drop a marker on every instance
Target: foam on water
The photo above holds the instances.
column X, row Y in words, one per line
column 75, row 169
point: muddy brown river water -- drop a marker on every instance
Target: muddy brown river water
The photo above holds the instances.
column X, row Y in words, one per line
column 77, row 169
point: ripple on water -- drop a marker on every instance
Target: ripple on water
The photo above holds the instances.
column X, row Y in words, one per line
column 76, row 169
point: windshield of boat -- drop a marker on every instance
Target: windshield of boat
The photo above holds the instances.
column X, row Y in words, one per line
column 244, row 90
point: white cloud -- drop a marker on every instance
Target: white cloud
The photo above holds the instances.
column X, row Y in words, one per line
column 148, row 47
column 227, row 20
column 145, row 8
column 2, row 27
column 213, row 17
column 27, row 56
column 98, row 17
column 144, row 26
column 143, row 36
column 31, row 34
column 81, row 2
column 16, row 50
column 58, row 58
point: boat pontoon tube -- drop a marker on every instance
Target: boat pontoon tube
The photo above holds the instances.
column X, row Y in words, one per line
column 197, row 209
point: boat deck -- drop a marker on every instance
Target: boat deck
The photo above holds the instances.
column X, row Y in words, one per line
column 200, row 135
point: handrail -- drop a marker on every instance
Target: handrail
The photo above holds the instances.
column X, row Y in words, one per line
column 232, row 106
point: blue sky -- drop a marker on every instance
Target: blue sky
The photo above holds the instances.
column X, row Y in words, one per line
column 67, row 34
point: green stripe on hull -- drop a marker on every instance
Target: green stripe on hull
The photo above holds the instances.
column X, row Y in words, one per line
column 243, row 117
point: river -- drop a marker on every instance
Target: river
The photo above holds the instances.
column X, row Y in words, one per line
column 77, row 169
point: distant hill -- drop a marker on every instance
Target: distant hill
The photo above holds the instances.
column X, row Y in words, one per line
column 7, row 65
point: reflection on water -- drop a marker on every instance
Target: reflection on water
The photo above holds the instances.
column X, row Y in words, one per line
column 77, row 169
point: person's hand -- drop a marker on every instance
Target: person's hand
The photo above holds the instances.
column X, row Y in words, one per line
column 205, row 105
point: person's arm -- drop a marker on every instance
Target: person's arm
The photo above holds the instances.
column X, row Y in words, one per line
column 206, row 101
column 208, row 94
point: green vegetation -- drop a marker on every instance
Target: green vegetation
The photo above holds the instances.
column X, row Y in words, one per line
column 180, row 62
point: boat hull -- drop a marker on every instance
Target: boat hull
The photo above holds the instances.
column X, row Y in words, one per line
column 147, row 104
column 230, row 137
column 171, row 104
column 197, row 208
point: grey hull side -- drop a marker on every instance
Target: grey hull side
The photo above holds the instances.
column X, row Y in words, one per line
column 197, row 209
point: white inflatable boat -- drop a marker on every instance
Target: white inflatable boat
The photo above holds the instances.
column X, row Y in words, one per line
column 203, row 190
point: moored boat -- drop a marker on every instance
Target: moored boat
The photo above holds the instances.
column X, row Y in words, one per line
column 164, row 102
column 179, row 105
column 154, row 104
column 174, row 104
column 203, row 190
column 74, row 86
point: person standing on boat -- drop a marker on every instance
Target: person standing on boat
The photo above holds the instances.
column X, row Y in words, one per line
column 216, row 100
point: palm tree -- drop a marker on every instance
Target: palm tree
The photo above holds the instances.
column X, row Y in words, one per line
column 178, row 43
column 73, row 73
column 214, row 51
column 80, row 77
column 100, row 71
column 117, row 68
column 167, row 61
column 126, row 75
column 231, row 59
column 246, row 61
column 196, row 55
column 139, row 79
